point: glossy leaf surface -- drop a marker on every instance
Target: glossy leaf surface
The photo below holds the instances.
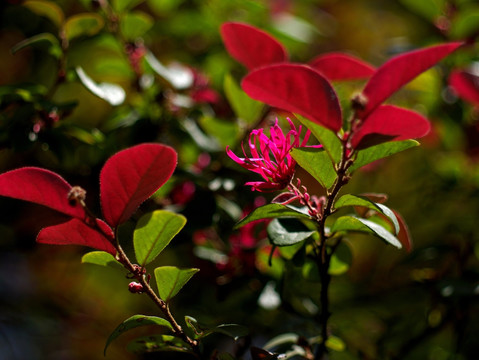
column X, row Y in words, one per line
column 390, row 123
column 112, row 93
column 153, row 233
column 287, row 231
column 317, row 163
column 39, row 186
column 76, row 232
column 271, row 211
column 131, row 176
column 170, row 280
column 298, row 89
column 251, row 46
column 339, row 66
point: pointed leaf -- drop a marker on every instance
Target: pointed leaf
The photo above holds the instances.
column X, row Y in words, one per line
column 317, row 163
column 165, row 343
column 390, row 123
column 100, row 258
column 170, row 280
column 338, row 66
column 48, row 9
column 76, row 232
column 179, row 76
column 404, row 235
column 85, row 24
column 244, row 107
column 401, row 69
column 287, row 231
column 153, row 233
column 466, row 85
column 135, row 24
column 251, row 46
column 351, row 223
column 134, row 322
column 381, row 151
column 271, row 211
column 131, row 176
column 298, row 89
column 40, row 186
column 340, row 260
column 43, row 39
column 112, row 93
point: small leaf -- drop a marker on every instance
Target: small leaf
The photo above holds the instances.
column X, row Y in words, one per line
column 243, row 106
column 170, row 280
column 298, row 89
column 131, row 176
column 180, row 77
column 114, row 94
column 317, row 163
column 326, row 137
column 351, row 223
column 135, row 24
column 287, row 231
column 85, row 24
column 76, row 232
column 340, row 260
column 353, row 200
column 48, row 9
column 288, row 338
column 339, row 66
column 404, row 235
column 271, row 211
column 401, row 69
column 466, row 85
column 40, row 186
column 251, row 46
column 380, row 151
column 100, row 258
column 153, row 233
column 390, row 123
column 43, row 39
column 234, row 331
column 152, row 343
column 335, row 343
column 134, row 322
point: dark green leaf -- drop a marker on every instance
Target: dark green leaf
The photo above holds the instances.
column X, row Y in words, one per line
column 135, row 24
column 101, row 258
column 200, row 330
column 466, row 23
column 317, row 163
column 85, row 24
column 335, row 343
column 43, row 39
column 287, row 231
column 429, row 9
column 381, row 151
column 153, row 233
column 48, row 9
column 351, row 223
column 111, row 93
column 226, row 132
column 153, row 343
column 271, row 211
column 171, row 279
column 121, row 5
column 245, row 108
column 340, row 260
column 224, row 356
column 133, row 322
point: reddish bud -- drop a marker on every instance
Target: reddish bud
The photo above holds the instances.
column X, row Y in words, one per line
column 135, row 288
column 76, row 195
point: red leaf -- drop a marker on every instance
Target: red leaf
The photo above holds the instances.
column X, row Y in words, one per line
column 39, row 186
column 298, row 89
column 338, row 66
column 399, row 70
column 131, row 176
column 389, row 123
column 404, row 236
column 76, row 232
column 250, row 46
column 466, row 85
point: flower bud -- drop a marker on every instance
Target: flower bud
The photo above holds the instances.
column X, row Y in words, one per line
column 135, row 288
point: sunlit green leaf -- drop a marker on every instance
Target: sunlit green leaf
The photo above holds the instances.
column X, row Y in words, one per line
column 287, row 231
column 171, row 279
column 271, row 211
column 317, row 163
column 111, row 93
column 244, row 107
column 151, row 343
column 101, row 258
column 44, row 39
column 85, row 24
column 351, row 223
column 135, row 24
column 153, row 233
column 340, row 260
column 335, row 343
column 134, row 322
column 381, row 151
column 48, row 9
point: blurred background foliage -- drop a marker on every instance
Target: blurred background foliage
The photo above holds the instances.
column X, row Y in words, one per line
column 81, row 80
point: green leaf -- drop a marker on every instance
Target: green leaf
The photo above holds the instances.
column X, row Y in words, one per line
column 317, row 163
column 44, row 39
column 224, row 356
column 201, row 331
column 121, row 5
column 111, row 93
column 134, row 322
column 271, row 211
column 354, row 200
column 163, row 6
column 180, row 77
column 335, row 343
column 351, row 223
column 91, row 137
column 244, row 107
column 101, row 258
column 135, row 24
column 85, row 24
column 153, row 233
column 381, row 151
column 340, row 260
column 287, row 231
column 226, row 132
column 326, row 137
column 283, row 339
column 429, row 9
column 171, row 279
column 466, row 23
column 151, row 343
column 48, row 9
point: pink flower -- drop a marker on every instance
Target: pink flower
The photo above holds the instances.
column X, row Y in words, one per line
column 270, row 157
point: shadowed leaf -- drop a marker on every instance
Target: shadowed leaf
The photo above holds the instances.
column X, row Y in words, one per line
column 338, row 66
column 170, row 280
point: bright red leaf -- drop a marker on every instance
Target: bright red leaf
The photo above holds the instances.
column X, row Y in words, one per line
column 338, row 66
column 250, row 46
column 466, row 85
column 399, row 70
column 40, row 186
column 298, row 89
column 76, row 232
column 388, row 123
column 131, row 176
